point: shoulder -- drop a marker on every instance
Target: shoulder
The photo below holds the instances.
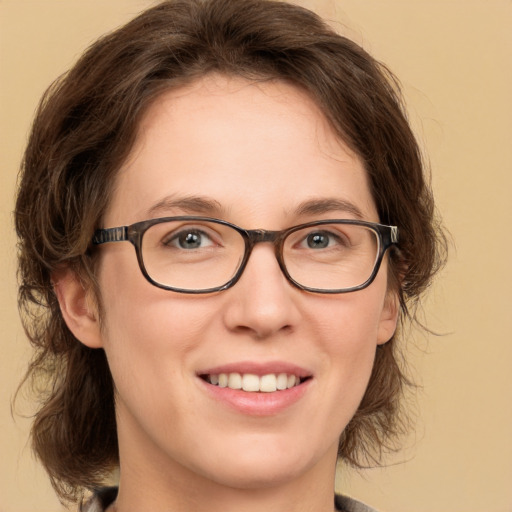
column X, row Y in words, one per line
column 104, row 497
column 346, row 504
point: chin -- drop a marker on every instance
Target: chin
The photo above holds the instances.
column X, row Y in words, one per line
column 257, row 476
column 262, row 466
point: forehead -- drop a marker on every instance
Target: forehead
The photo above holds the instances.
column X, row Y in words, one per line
column 252, row 147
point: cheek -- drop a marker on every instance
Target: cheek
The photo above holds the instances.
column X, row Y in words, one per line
column 140, row 311
column 351, row 353
column 348, row 329
column 351, row 322
column 147, row 332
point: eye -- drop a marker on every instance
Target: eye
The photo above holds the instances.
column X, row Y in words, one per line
column 322, row 240
column 317, row 240
column 189, row 239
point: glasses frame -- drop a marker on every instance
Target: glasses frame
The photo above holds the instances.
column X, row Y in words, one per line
column 386, row 235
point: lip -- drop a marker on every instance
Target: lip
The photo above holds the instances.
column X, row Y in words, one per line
column 257, row 403
column 258, row 368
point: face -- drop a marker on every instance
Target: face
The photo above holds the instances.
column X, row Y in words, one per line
column 252, row 154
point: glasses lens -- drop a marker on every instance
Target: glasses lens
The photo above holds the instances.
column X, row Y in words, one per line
column 331, row 256
column 192, row 255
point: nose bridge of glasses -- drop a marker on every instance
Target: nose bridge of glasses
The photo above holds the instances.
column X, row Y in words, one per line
column 257, row 236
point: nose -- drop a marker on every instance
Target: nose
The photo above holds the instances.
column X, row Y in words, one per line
column 263, row 302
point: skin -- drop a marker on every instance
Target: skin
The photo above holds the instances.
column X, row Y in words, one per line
column 259, row 151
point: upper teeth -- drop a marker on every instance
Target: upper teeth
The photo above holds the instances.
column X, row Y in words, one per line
column 250, row 382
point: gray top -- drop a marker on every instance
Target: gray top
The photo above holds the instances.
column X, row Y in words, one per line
column 104, row 497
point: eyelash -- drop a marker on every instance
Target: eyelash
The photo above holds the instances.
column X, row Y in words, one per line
column 173, row 239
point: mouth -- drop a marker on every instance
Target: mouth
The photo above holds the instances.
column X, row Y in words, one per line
column 252, row 383
column 260, row 389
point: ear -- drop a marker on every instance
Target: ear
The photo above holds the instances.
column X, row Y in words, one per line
column 389, row 318
column 78, row 308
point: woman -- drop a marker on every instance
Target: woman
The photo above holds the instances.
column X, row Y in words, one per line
column 264, row 172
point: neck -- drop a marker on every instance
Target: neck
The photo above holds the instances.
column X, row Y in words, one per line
column 287, row 498
column 178, row 489
column 272, row 474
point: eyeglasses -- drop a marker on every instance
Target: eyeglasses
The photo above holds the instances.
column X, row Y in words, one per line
column 192, row 254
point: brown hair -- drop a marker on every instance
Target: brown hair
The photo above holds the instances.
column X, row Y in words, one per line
column 85, row 127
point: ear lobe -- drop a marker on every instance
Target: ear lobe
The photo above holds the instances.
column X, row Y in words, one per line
column 389, row 318
column 78, row 308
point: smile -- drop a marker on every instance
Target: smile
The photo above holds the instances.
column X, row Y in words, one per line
column 252, row 383
column 257, row 389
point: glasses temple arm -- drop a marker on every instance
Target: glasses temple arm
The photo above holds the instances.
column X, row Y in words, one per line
column 103, row 236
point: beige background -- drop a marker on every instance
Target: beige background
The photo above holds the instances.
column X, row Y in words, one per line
column 454, row 59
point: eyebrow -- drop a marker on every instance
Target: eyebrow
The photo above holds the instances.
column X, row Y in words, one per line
column 189, row 204
column 320, row 206
column 207, row 206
